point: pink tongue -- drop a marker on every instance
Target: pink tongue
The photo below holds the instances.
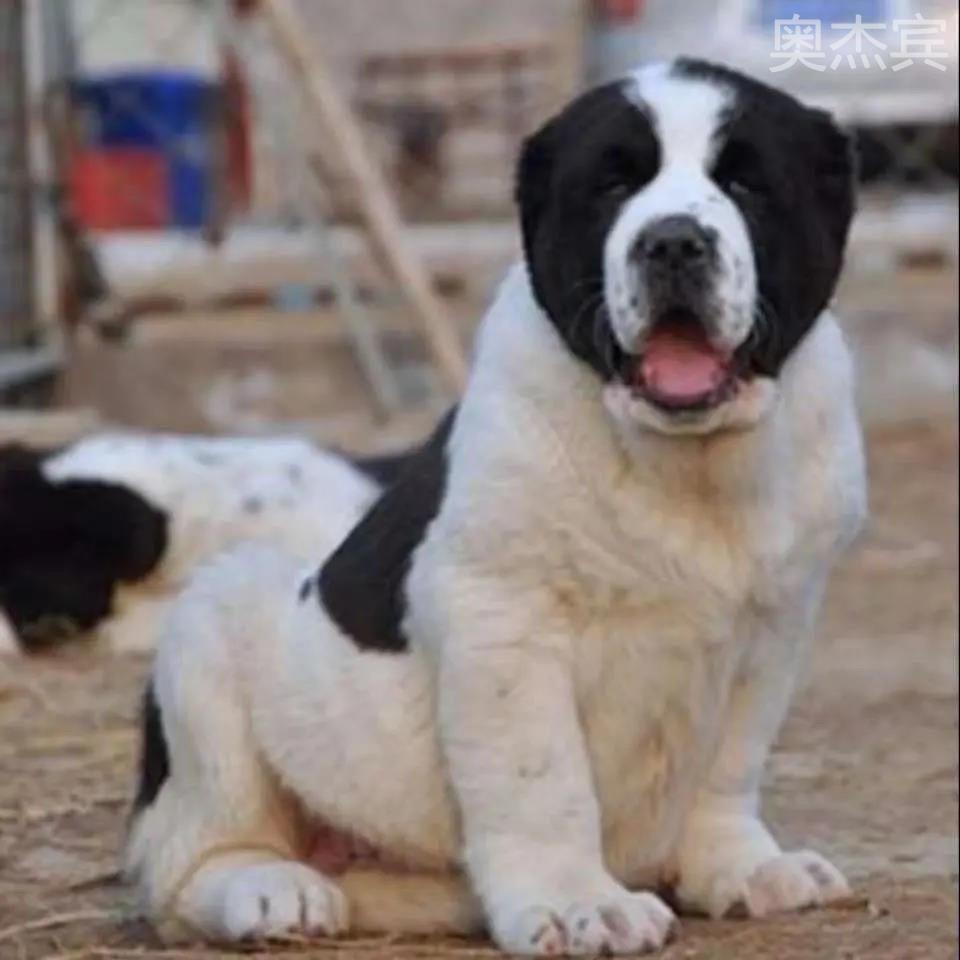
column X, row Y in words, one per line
column 681, row 367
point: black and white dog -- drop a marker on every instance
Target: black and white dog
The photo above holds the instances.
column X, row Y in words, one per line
column 97, row 538
column 539, row 680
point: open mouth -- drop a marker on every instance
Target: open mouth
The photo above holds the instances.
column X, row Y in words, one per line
column 679, row 369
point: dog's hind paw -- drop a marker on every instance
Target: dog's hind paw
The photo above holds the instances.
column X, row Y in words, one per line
column 273, row 901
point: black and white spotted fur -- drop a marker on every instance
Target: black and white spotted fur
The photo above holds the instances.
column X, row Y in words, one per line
column 97, row 537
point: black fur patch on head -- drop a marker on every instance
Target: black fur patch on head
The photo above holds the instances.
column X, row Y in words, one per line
column 52, row 599
column 794, row 175
column 572, row 180
column 65, row 545
column 154, row 756
column 361, row 585
column 791, row 171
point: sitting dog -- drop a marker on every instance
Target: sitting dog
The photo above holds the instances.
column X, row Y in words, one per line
column 537, row 683
column 96, row 538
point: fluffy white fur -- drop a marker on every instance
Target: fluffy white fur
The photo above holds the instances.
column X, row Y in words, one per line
column 219, row 491
column 616, row 627
column 606, row 624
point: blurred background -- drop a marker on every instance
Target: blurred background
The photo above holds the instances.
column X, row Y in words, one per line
column 219, row 215
column 287, row 217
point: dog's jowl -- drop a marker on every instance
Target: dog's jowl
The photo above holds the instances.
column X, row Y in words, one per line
column 540, row 681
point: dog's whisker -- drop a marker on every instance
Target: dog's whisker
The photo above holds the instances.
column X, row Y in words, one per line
column 583, row 314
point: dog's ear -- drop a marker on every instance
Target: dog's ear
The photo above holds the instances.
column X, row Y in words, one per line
column 125, row 532
column 534, row 182
column 112, row 527
column 64, row 545
column 836, row 168
column 24, row 502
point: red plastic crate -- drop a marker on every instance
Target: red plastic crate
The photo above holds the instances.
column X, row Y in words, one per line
column 120, row 188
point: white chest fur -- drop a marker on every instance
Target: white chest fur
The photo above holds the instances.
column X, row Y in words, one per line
column 658, row 567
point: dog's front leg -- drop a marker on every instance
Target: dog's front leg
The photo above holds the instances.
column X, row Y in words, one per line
column 519, row 767
column 728, row 862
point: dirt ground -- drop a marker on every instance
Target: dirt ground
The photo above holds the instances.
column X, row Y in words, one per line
column 866, row 769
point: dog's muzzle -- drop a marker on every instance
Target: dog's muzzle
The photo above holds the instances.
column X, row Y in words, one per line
column 676, row 261
column 679, row 362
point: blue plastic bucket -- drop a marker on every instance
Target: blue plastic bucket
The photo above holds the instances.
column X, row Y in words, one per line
column 166, row 111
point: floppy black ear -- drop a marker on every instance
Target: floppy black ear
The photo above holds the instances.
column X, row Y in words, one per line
column 533, row 183
column 124, row 532
column 52, row 598
column 98, row 529
column 65, row 545
column 836, row 172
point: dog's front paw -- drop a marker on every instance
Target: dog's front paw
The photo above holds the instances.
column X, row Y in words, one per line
column 271, row 901
column 786, row 882
column 791, row 881
column 622, row 922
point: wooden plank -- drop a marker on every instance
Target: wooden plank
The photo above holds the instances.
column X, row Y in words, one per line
column 47, row 429
column 149, row 274
column 374, row 200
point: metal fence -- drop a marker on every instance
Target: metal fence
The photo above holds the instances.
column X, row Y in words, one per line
column 16, row 282
column 185, row 168
column 164, row 156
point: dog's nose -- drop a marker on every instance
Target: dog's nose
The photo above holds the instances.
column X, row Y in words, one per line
column 675, row 243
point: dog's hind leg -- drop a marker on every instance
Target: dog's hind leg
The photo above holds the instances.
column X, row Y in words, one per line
column 214, row 841
column 383, row 901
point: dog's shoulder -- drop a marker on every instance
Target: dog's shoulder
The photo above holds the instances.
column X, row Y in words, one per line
column 362, row 584
column 821, row 394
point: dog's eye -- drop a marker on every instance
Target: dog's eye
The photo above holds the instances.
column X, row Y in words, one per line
column 739, row 171
column 615, row 188
column 622, row 175
column 743, row 187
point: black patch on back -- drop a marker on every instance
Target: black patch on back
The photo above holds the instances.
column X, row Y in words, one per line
column 154, row 756
column 385, row 468
column 65, row 545
column 361, row 585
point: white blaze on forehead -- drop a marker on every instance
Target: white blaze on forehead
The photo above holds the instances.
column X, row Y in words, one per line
column 685, row 112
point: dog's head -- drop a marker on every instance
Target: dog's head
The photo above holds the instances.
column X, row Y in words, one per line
column 683, row 230
column 66, row 545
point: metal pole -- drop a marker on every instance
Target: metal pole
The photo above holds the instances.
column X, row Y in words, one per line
column 16, row 247
column 40, row 167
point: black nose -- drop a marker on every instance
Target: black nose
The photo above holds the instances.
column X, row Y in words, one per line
column 675, row 242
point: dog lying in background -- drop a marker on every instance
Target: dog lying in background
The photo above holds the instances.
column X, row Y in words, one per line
column 97, row 537
column 537, row 683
